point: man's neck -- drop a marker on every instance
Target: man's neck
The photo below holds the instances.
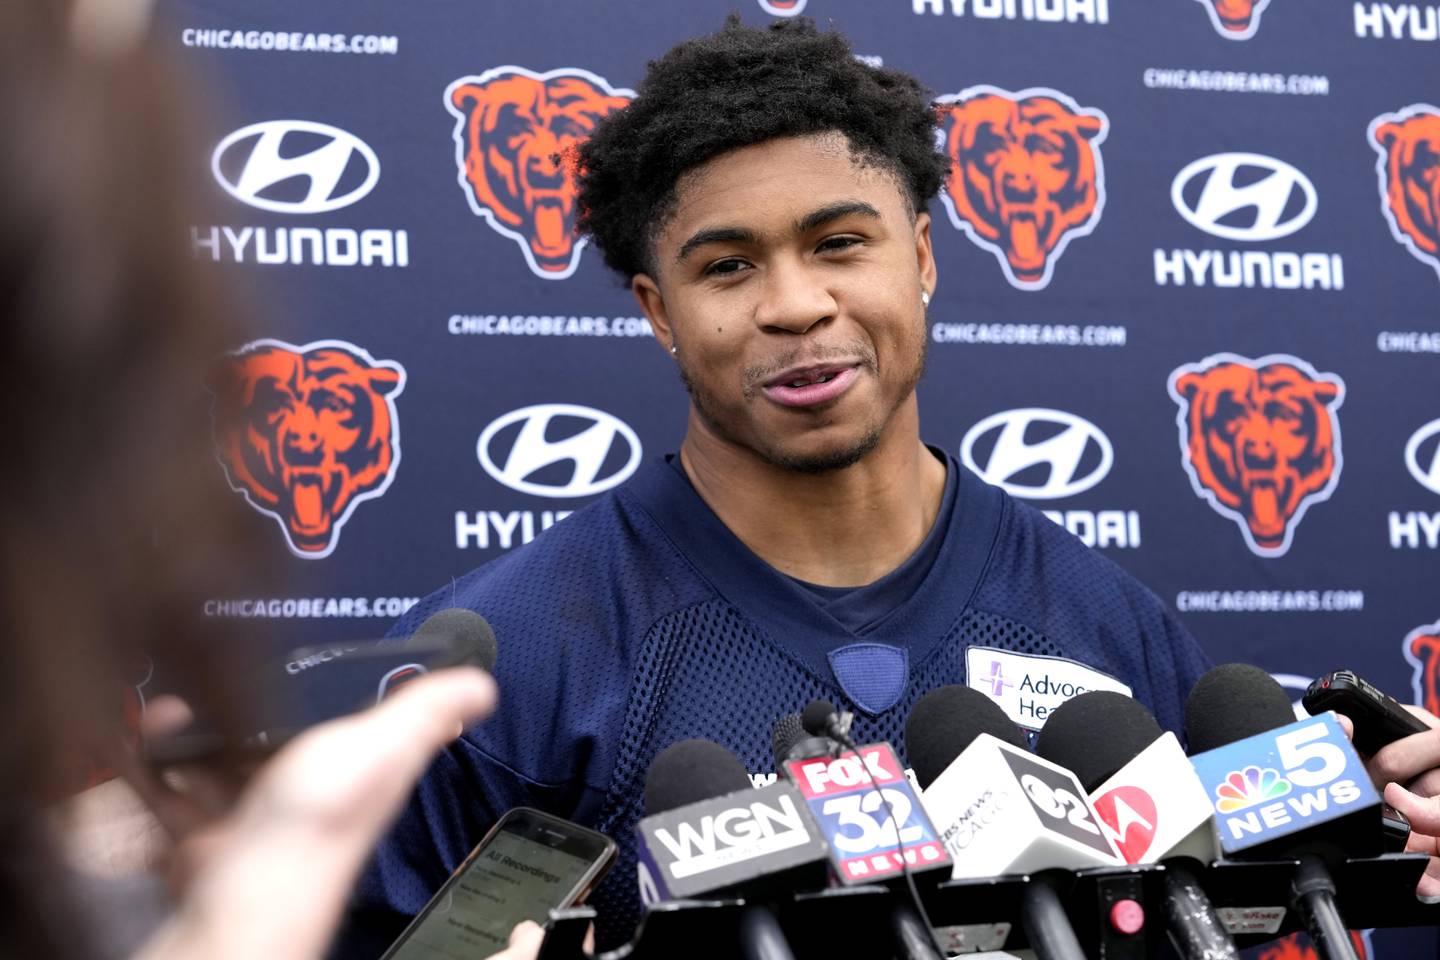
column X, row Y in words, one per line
column 842, row 528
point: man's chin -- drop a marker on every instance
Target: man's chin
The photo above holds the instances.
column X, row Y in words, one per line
column 826, row 460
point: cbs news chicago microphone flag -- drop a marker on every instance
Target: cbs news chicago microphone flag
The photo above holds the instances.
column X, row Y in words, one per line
column 1188, row 299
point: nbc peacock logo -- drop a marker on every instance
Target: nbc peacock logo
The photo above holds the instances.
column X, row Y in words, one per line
column 1248, row 787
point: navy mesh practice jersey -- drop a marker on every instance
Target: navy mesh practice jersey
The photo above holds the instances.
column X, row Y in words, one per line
column 641, row 620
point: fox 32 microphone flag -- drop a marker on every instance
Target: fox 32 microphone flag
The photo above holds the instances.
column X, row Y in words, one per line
column 1201, row 334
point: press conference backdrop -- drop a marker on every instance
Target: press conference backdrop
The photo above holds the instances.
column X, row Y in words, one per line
column 1188, row 300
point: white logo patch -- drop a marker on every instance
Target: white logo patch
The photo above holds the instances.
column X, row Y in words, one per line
column 1422, row 456
column 587, row 451
column 1029, row 687
column 322, row 167
column 1267, row 203
column 1063, row 453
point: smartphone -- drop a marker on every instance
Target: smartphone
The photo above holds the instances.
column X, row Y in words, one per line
column 1378, row 717
column 528, row 864
column 311, row 685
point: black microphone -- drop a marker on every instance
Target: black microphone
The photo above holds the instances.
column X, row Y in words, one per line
column 1133, row 770
column 469, row 636
column 791, row 741
column 708, row 831
column 1283, row 788
column 821, row 719
column 1001, row 810
column 311, row 685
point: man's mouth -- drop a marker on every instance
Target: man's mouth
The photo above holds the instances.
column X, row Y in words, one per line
column 810, row 386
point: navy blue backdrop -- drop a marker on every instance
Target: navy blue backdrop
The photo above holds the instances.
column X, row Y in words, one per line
column 1202, row 329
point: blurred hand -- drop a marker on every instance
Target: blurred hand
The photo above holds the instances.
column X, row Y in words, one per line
column 1414, row 761
column 525, row 942
column 271, row 877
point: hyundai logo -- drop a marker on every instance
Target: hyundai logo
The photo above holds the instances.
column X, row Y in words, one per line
column 1244, row 196
column 1045, row 467
column 1422, row 456
column 266, row 165
column 601, row 441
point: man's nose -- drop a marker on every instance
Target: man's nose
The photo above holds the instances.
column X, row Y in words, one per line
column 794, row 298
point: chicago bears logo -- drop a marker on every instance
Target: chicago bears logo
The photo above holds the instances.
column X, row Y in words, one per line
column 1260, row 441
column 307, row 433
column 1422, row 651
column 1025, row 175
column 1409, row 167
column 1235, row 19
column 511, row 125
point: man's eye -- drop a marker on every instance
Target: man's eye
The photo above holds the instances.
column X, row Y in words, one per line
column 839, row 243
column 726, row 267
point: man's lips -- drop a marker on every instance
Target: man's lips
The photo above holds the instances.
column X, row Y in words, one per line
column 812, row 385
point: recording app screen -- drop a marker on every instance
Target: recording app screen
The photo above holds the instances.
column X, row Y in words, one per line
column 512, row 879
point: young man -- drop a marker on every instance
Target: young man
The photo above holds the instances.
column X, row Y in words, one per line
column 766, row 195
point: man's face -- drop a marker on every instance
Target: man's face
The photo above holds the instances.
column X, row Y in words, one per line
column 789, row 280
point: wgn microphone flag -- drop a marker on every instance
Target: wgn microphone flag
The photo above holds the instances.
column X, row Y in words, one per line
column 695, row 842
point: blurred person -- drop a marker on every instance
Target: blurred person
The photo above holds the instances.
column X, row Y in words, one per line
column 114, row 524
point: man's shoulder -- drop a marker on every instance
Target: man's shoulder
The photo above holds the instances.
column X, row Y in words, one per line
column 605, row 561
column 1029, row 537
column 1042, row 575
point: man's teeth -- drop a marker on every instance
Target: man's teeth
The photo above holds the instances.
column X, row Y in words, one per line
column 823, row 378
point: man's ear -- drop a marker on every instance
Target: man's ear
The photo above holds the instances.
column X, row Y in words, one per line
column 652, row 304
column 924, row 255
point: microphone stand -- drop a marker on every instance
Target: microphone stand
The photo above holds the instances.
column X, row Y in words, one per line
column 1046, row 924
column 1312, row 893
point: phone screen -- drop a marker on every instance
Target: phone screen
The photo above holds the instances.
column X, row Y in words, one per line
column 512, row 878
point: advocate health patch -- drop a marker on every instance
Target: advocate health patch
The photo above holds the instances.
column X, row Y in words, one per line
column 1028, row 686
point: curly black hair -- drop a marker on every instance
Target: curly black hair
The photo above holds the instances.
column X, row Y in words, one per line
column 738, row 87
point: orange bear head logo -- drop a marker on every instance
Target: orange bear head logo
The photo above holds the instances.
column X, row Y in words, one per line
column 1025, row 175
column 1422, row 650
column 1235, row 19
column 1409, row 166
column 1260, row 441
column 307, row 433
column 511, row 125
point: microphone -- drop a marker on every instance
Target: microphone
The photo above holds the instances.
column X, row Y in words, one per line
column 310, row 685
column 467, row 634
column 871, row 818
column 1001, row 810
column 1283, row 788
column 707, row 831
column 791, row 741
column 1149, row 802
column 821, row 719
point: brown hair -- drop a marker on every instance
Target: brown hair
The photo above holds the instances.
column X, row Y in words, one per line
column 114, row 518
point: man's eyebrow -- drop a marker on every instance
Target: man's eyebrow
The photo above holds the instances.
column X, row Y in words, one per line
column 715, row 235
column 843, row 208
column 811, row 221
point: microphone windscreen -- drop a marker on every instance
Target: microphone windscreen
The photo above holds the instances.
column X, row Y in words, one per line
column 788, row 732
column 1231, row 702
column 690, row 771
column 1095, row 734
column 465, row 631
column 945, row 722
column 815, row 718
